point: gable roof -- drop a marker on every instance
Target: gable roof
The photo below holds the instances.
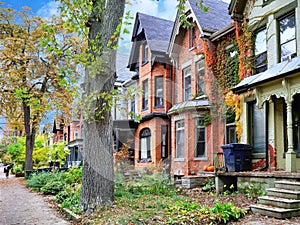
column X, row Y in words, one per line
column 215, row 19
column 157, row 31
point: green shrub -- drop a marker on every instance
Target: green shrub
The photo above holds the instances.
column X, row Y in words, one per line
column 72, row 202
column 252, row 189
column 53, row 187
column 73, row 175
column 225, row 212
column 37, row 181
column 186, row 212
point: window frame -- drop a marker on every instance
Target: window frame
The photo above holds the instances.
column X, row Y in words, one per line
column 187, row 90
column 164, row 141
column 179, row 125
column 200, row 76
column 252, row 126
column 192, row 37
column 293, row 54
column 145, row 136
column 159, row 100
column 145, row 53
column 263, row 65
column 132, row 107
column 145, row 100
column 76, row 134
column 200, row 126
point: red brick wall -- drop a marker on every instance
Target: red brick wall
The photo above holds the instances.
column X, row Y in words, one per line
column 155, row 127
column 214, row 131
column 150, row 72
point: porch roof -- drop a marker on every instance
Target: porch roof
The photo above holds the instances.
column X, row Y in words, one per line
column 76, row 142
column 277, row 71
column 190, row 105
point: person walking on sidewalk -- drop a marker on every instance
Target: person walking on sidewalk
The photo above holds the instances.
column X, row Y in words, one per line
column 6, row 170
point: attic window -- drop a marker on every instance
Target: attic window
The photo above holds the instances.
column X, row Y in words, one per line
column 192, row 36
column 145, row 53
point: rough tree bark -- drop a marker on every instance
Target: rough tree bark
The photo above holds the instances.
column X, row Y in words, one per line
column 30, row 136
column 98, row 172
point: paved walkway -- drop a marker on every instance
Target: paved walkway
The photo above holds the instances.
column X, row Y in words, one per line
column 19, row 206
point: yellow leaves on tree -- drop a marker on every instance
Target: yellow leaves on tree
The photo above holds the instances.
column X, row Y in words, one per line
column 37, row 71
column 234, row 101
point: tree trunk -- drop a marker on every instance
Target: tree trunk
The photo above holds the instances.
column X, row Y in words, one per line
column 98, row 171
column 30, row 136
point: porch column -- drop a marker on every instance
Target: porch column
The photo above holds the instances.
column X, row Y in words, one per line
column 290, row 156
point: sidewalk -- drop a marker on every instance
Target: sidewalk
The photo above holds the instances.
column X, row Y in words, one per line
column 19, row 206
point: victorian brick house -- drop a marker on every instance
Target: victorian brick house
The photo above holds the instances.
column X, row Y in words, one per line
column 153, row 69
column 197, row 128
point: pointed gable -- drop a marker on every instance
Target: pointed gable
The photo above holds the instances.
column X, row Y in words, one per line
column 215, row 19
column 155, row 31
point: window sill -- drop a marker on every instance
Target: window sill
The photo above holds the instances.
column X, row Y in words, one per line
column 159, row 107
column 145, row 109
column 179, row 160
column 200, row 158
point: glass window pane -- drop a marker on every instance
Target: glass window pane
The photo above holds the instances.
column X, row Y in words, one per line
column 180, row 140
column 258, row 129
column 287, row 36
column 288, row 48
column 159, row 91
column 261, row 42
column 143, row 148
column 145, row 94
column 287, row 29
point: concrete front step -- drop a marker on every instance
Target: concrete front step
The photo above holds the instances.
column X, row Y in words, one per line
column 274, row 211
column 291, row 185
column 283, row 193
column 279, row 202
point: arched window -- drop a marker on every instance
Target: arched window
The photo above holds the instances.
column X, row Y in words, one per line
column 145, row 145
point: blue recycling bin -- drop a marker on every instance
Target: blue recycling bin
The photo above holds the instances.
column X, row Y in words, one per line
column 237, row 157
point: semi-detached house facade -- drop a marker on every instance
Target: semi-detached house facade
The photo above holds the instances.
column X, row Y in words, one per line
column 196, row 121
column 179, row 102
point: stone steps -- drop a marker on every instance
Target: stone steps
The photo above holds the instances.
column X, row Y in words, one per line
column 279, row 202
column 290, row 185
column 283, row 193
column 276, row 212
column 283, row 201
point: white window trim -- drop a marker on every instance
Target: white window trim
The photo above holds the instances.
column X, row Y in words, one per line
column 176, row 129
column 204, row 157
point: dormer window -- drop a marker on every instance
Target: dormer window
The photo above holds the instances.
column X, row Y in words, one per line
column 260, row 51
column 287, row 28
